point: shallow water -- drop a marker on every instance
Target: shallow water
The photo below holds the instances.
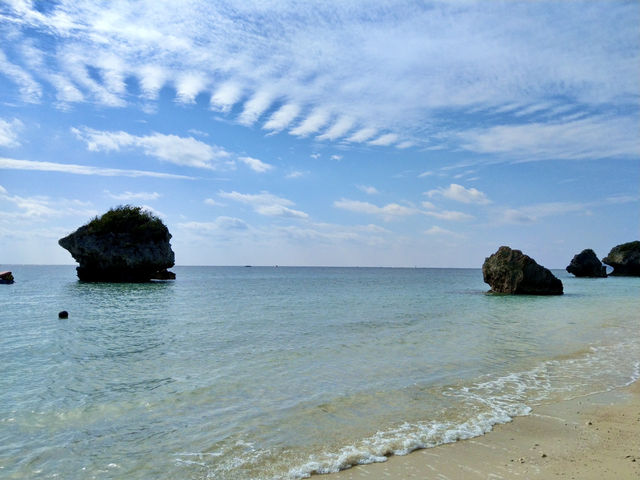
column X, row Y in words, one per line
column 237, row 373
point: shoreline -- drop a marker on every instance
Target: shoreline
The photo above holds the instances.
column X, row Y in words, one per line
column 593, row 437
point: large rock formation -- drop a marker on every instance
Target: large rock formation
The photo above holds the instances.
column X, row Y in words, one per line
column 511, row 271
column 625, row 259
column 587, row 264
column 126, row 244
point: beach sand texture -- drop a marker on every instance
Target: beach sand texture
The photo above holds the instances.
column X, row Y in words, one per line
column 589, row 438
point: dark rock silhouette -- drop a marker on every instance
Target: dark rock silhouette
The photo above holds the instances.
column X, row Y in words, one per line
column 126, row 244
column 587, row 264
column 625, row 259
column 63, row 314
column 511, row 271
column 6, row 278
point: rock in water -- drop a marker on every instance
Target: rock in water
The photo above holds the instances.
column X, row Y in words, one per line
column 625, row 259
column 6, row 278
column 587, row 264
column 511, row 271
column 126, row 244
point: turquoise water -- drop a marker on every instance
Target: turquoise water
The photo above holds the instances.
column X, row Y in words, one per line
column 239, row 373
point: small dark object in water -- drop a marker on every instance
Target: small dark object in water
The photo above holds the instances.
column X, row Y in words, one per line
column 63, row 314
column 6, row 278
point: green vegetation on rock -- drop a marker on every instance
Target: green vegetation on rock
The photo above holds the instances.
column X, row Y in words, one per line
column 129, row 219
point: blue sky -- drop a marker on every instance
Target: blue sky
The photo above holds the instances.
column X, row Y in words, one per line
column 355, row 133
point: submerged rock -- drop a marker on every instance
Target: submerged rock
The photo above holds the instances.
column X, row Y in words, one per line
column 6, row 278
column 126, row 244
column 587, row 264
column 625, row 259
column 511, row 271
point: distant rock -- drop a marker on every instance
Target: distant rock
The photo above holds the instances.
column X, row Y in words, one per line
column 6, row 278
column 587, row 264
column 126, row 244
column 625, row 259
column 511, row 271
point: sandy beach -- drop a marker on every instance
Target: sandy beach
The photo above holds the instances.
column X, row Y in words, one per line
column 595, row 437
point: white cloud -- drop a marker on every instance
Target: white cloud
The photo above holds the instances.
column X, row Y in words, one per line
column 369, row 190
column 338, row 129
column 534, row 213
column 460, row 194
column 255, row 164
column 256, row 106
column 30, row 90
column 586, row 138
column 212, row 202
column 189, row 85
column 401, row 72
column 185, row 151
column 226, row 97
column 389, row 211
column 336, row 157
column 282, row 118
column 385, row 140
column 220, row 225
column 14, row 164
column 439, row 231
column 151, row 78
column 9, row 132
column 362, row 135
column 314, row 122
column 41, row 207
column 266, row 204
column 133, row 196
column 296, row 174
column 449, row 215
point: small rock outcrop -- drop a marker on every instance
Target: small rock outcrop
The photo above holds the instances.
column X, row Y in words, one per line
column 126, row 244
column 587, row 264
column 625, row 259
column 6, row 278
column 511, row 271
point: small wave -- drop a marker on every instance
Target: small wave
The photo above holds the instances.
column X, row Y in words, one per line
column 495, row 401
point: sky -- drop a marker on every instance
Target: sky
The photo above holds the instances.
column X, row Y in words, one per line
column 338, row 133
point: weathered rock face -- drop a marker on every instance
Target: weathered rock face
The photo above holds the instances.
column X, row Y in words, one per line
column 587, row 264
column 126, row 244
column 511, row 271
column 625, row 259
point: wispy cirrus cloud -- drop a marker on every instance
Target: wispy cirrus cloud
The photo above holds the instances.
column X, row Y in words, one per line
column 600, row 136
column 417, row 62
column 388, row 212
column 461, row 194
column 368, row 189
column 41, row 207
column 9, row 132
column 133, row 196
column 186, row 151
column 265, row 203
column 75, row 169
column 536, row 212
column 256, row 165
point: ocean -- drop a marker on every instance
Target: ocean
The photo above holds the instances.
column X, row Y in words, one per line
column 281, row 373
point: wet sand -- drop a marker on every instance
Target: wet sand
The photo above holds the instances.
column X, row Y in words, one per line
column 588, row 438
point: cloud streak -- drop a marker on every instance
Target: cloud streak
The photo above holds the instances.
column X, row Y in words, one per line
column 185, row 151
column 460, row 194
column 265, row 203
column 74, row 169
